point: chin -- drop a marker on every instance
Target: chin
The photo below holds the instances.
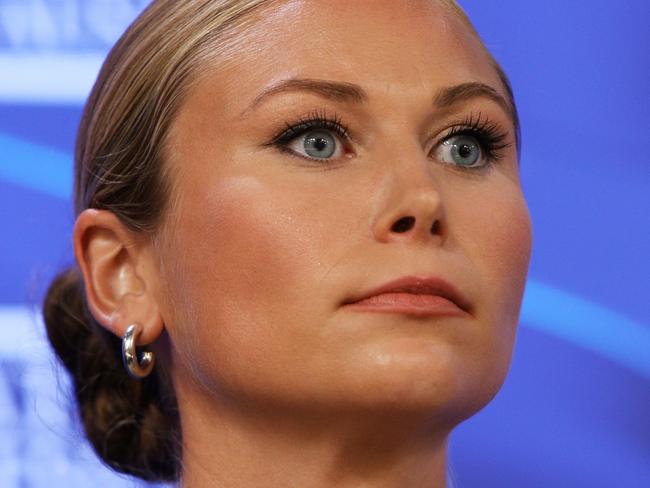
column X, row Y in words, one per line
column 417, row 377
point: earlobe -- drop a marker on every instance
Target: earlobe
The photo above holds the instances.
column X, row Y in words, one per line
column 111, row 260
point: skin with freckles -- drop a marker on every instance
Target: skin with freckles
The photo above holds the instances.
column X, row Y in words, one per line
column 278, row 384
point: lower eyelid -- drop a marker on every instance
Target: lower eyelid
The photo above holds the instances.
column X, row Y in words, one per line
column 319, row 164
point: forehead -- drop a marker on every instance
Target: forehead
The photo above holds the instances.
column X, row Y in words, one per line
column 377, row 44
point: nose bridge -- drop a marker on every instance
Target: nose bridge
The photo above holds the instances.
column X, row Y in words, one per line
column 409, row 202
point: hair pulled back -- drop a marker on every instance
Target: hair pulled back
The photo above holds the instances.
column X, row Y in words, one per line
column 133, row 425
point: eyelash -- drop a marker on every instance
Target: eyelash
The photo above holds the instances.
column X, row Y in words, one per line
column 315, row 120
column 488, row 134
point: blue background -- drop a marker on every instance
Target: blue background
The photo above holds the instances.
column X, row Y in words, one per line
column 575, row 408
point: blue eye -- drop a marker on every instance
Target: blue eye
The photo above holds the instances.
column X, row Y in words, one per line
column 460, row 150
column 316, row 137
column 473, row 144
column 317, row 144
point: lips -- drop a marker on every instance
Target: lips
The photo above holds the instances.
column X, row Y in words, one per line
column 416, row 285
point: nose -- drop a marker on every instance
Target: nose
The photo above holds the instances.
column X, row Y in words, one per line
column 411, row 207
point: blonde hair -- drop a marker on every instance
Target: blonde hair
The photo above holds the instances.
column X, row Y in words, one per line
column 138, row 91
column 134, row 425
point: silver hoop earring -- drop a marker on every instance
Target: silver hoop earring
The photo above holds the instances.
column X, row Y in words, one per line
column 136, row 369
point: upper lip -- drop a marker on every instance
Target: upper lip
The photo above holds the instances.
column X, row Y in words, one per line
column 418, row 285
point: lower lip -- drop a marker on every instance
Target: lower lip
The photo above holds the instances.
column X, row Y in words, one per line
column 410, row 304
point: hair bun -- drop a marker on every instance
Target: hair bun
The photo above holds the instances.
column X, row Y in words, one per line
column 132, row 425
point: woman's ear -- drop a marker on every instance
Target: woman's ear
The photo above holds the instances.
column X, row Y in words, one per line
column 113, row 262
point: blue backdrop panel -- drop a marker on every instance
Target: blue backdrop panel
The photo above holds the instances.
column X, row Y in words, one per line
column 574, row 410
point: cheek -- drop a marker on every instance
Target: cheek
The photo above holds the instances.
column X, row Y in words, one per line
column 499, row 236
column 495, row 236
column 245, row 281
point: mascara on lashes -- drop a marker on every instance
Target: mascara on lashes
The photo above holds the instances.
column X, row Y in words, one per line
column 489, row 135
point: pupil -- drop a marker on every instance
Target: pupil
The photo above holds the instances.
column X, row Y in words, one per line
column 320, row 143
column 464, row 150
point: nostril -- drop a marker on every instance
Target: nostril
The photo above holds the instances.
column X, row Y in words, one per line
column 435, row 228
column 403, row 224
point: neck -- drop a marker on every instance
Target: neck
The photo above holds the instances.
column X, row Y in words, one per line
column 234, row 446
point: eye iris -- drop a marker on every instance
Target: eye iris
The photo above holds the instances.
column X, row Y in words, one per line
column 319, row 144
column 465, row 151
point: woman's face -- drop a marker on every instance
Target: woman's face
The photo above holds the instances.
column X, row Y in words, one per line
column 266, row 245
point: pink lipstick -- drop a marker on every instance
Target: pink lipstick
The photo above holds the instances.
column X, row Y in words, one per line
column 413, row 295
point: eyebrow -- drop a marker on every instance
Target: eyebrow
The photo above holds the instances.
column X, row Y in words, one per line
column 338, row 91
column 454, row 95
column 445, row 98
